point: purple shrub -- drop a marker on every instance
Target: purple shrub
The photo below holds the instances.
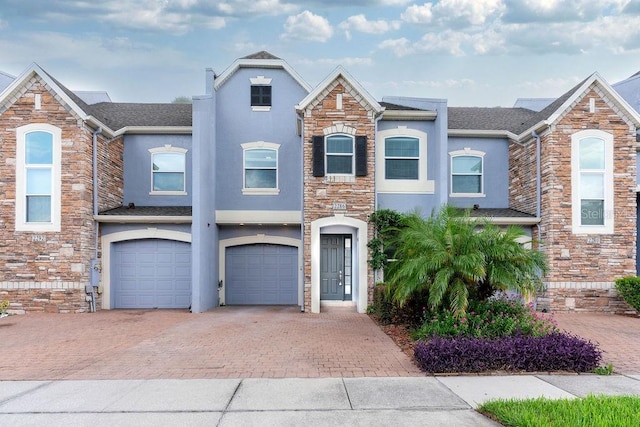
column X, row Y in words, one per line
column 553, row 352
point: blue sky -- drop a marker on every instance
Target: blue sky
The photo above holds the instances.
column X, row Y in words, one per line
column 472, row 52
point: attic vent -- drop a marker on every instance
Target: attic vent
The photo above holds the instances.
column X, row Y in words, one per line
column 339, row 102
column 592, row 105
column 38, row 101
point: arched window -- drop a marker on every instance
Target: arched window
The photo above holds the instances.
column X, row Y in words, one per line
column 467, row 177
column 592, row 182
column 38, row 178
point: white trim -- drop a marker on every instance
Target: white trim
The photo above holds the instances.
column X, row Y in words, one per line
column 258, row 217
column 147, row 233
column 353, row 156
column 428, row 115
column 258, row 239
column 469, row 153
column 580, row 285
column 422, row 185
column 259, row 63
column 261, row 108
column 56, row 179
column 609, row 207
column 260, row 81
column 359, row 282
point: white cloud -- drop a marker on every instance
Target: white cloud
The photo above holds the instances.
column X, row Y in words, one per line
column 307, row 26
column 394, row 2
column 474, row 12
column 418, row 14
column 3, row 24
column 545, row 11
column 361, row 24
column 400, row 47
column 253, row 7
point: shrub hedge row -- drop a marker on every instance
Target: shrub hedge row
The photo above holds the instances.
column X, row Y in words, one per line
column 554, row 352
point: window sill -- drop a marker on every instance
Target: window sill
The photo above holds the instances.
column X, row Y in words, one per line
column 38, row 227
column 407, row 186
column 261, row 108
column 168, row 193
column 467, row 195
column 260, row 191
column 593, row 229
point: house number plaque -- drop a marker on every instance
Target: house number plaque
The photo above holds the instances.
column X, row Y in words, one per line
column 339, row 206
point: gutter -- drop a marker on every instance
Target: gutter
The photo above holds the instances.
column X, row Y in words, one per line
column 538, row 180
column 142, row 219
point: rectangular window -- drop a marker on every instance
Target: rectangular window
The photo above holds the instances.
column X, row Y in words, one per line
column 260, row 168
column 401, row 156
column 466, row 174
column 38, row 174
column 168, row 172
column 339, row 154
column 260, row 96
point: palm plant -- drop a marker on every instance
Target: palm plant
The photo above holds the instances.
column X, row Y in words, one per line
column 457, row 258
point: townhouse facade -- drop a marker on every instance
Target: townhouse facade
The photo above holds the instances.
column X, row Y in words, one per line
column 259, row 192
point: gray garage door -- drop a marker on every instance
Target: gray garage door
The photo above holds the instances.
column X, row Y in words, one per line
column 261, row 274
column 151, row 273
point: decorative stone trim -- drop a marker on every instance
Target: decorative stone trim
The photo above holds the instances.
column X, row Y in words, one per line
column 42, row 285
column 579, row 285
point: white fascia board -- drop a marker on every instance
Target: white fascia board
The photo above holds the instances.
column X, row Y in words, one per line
column 175, row 130
column 507, row 220
column 429, row 115
column 143, row 219
column 482, row 133
column 258, row 217
column 259, row 63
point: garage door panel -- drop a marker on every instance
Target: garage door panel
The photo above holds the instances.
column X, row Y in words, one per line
column 261, row 274
column 151, row 273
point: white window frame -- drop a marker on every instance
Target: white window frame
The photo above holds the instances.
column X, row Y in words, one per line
column 422, row 185
column 353, row 155
column 260, row 191
column 609, row 209
column 21, row 179
column 466, row 152
column 173, row 150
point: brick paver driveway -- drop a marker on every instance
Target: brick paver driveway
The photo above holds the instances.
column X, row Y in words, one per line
column 229, row 342
column 617, row 336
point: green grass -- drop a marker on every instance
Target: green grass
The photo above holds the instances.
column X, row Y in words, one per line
column 591, row 411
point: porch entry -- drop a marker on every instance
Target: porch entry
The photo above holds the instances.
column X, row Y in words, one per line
column 336, row 267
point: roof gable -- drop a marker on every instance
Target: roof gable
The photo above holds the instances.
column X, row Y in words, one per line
column 339, row 74
column 259, row 60
column 22, row 82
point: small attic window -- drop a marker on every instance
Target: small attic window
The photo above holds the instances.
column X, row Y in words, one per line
column 260, row 93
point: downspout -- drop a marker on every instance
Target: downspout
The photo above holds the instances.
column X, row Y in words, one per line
column 376, row 273
column 94, row 266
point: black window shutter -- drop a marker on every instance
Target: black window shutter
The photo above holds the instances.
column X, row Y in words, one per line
column 318, row 155
column 361, row 156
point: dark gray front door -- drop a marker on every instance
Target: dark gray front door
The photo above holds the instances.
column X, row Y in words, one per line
column 335, row 267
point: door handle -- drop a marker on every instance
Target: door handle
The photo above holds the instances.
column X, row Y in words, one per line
column 340, row 278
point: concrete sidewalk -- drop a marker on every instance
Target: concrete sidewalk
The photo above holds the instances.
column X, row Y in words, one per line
column 429, row 401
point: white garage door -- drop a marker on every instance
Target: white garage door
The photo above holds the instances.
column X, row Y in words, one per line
column 261, row 274
column 151, row 273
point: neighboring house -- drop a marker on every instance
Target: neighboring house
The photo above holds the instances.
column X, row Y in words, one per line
column 260, row 191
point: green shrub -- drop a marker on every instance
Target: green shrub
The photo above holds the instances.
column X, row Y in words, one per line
column 388, row 311
column 629, row 289
column 3, row 306
column 488, row 319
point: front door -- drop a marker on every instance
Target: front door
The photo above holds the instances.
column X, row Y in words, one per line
column 335, row 267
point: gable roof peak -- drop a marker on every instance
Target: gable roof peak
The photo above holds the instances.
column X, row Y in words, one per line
column 263, row 54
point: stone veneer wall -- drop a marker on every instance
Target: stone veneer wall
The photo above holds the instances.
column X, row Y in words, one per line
column 323, row 118
column 522, row 177
column 110, row 173
column 46, row 271
column 583, row 267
